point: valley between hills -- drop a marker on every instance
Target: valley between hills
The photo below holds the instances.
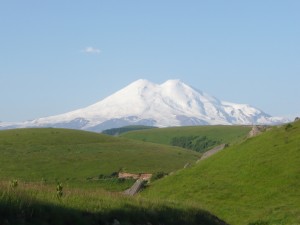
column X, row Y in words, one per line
column 64, row 176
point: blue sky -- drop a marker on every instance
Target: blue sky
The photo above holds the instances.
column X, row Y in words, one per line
column 57, row 56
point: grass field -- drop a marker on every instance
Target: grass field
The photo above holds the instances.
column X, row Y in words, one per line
column 220, row 134
column 34, row 160
column 37, row 203
column 255, row 182
column 72, row 156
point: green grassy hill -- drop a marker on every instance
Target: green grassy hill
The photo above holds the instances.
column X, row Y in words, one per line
column 199, row 138
column 33, row 160
column 75, row 156
column 255, row 182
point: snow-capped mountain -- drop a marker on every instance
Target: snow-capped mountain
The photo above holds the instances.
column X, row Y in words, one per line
column 172, row 103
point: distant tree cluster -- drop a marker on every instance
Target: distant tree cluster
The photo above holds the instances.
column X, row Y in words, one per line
column 118, row 131
column 196, row 143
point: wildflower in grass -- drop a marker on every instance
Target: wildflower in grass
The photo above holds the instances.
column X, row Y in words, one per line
column 59, row 190
column 14, row 183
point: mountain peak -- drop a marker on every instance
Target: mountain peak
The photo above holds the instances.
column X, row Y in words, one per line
column 141, row 83
column 172, row 103
column 173, row 82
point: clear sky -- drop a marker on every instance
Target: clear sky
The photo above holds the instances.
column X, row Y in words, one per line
column 60, row 55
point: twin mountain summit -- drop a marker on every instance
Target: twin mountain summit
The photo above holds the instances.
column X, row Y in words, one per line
column 142, row 102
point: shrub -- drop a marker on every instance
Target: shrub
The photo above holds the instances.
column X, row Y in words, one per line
column 259, row 222
column 288, row 126
column 158, row 175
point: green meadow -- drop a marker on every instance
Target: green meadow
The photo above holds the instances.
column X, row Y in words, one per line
column 34, row 161
column 205, row 137
column 72, row 156
column 254, row 181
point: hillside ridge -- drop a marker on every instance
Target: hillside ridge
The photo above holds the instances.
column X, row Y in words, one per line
column 257, row 179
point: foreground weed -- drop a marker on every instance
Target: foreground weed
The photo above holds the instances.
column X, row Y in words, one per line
column 13, row 183
column 59, row 190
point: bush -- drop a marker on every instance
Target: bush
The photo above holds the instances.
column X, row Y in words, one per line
column 259, row 222
column 110, row 176
column 158, row 175
column 288, row 126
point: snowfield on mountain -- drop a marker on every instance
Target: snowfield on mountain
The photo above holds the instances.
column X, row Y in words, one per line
column 142, row 102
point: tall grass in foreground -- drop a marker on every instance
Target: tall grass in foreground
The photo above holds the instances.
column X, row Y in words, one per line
column 37, row 203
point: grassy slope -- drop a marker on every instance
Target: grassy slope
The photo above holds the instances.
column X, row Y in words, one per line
column 256, row 182
column 70, row 155
column 226, row 134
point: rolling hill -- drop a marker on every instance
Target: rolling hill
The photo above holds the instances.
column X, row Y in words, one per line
column 72, row 156
column 200, row 138
column 33, row 161
column 255, row 182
